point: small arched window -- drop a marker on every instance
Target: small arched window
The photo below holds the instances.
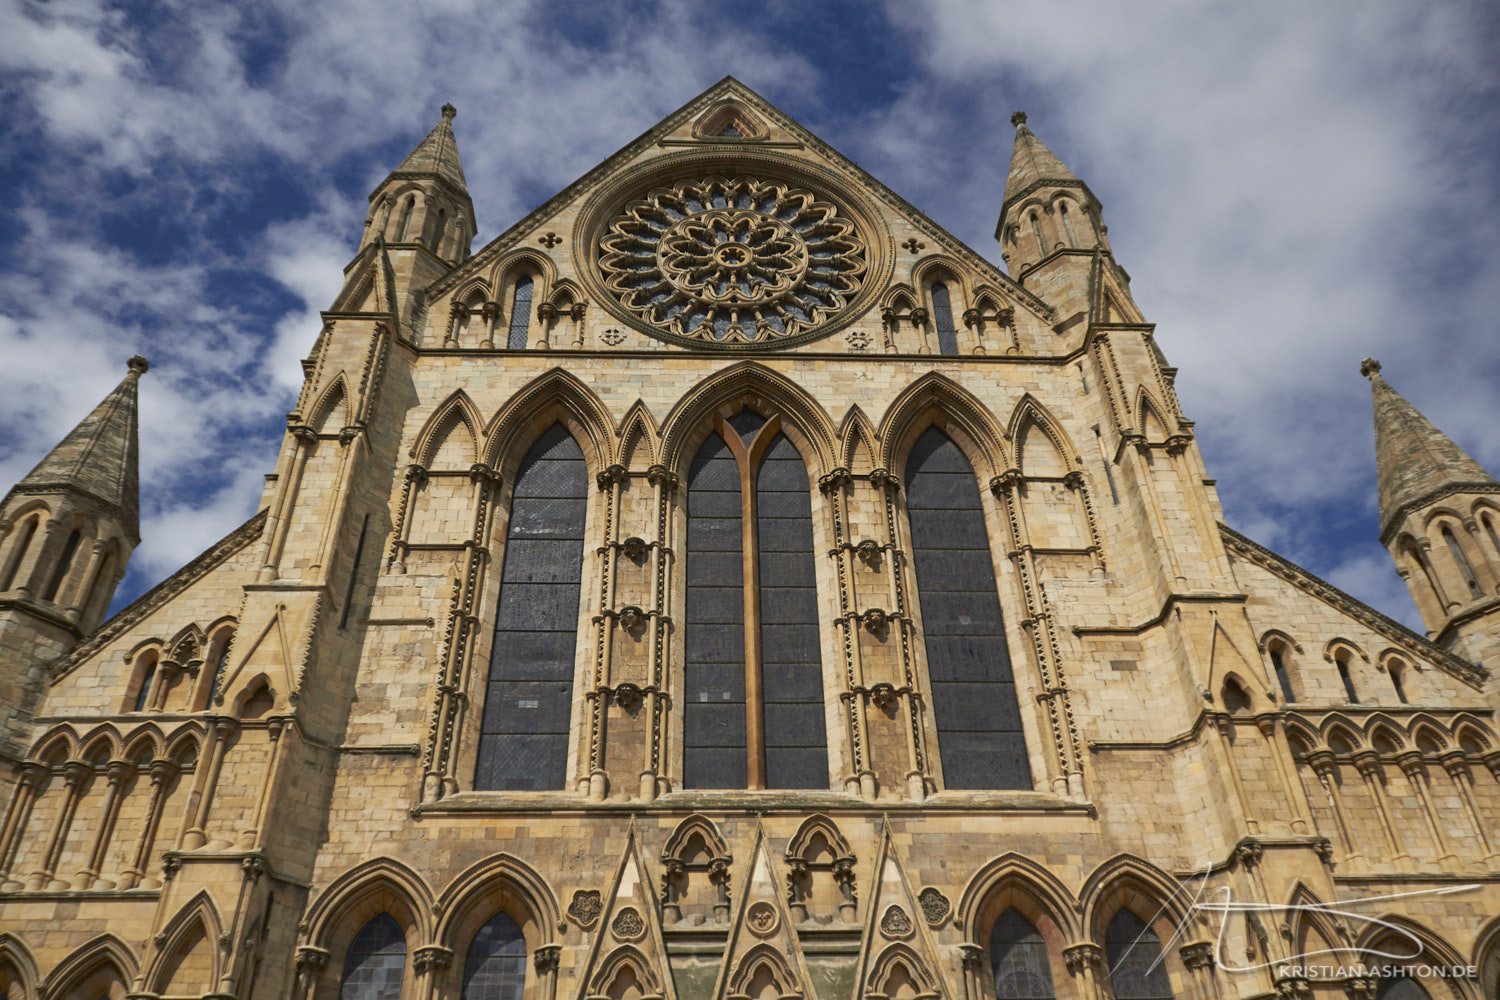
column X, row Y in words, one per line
column 98, row 584
column 1283, row 676
column 441, row 231
column 216, row 672
column 1018, row 958
column 495, row 968
column 64, row 563
column 1489, row 527
column 1462, row 562
column 18, row 551
column 403, row 230
column 1067, row 222
column 942, row 319
column 528, row 705
column 1133, row 953
column 1341, row 660
column 1415, row 555
column 376, row 961
column 1397, row 669
column 1036, row 231
column 148, row 681
column 520, row 315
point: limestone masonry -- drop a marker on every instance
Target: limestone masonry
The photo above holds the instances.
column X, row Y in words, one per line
column 725, row 585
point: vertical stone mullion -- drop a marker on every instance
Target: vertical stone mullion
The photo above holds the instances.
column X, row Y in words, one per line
column 17, row 817
column 116, row 774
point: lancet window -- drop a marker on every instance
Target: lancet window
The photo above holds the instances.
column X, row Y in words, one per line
column 973, row 691
column 1283, row 676
column 520, row 314
column 753, row 715
column 495, row 968
column 1462, row 562
column 1132, row 952
column 523, row 742
column 942, row 319
column 376, row 962
column 18, row 551
column 65, row 563
column 1018, row 958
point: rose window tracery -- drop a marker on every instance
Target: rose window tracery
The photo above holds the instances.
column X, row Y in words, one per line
column 733, row 260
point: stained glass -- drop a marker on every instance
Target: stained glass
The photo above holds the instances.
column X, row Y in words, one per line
column 1133, row 952
column 1018, row 957
column 942, row 319
column 376, row 961
column 495, row 968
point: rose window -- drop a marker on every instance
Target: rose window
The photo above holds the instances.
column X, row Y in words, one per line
column 733, row 261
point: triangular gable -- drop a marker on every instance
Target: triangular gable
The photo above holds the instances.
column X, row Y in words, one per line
column 896, row 946
column 678, row 126
column 762, row 956
column 628, row 945
column 1399, row 635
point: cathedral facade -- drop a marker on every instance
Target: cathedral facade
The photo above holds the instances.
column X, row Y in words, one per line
column 726, row 585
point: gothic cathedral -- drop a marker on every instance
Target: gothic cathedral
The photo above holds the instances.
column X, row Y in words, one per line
column 726, row 585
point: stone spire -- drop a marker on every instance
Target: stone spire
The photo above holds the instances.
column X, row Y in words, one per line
column 1415, row 462
column 436, row 155
column 1032, row 163
column 100, row 458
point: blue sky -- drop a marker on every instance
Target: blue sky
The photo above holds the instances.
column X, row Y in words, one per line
column 1291, row 187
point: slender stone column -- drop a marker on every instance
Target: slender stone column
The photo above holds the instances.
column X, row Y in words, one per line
column 162, row 773
column 77, row 588
column 1463, row 781
column 1273, row 729
column 33, row 777
column 1084, row 962
column 1410, row 763
column 277, row 527
column 310, row 965
column 429, row 963
column 116, row 773
column 1324, row 766
column 251, row 833
column 545, row 962
column 1371, row 771
column 203, row 794
column 76, row 775
column 1224, row 725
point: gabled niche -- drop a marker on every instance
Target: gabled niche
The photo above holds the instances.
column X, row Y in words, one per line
column 730, row 121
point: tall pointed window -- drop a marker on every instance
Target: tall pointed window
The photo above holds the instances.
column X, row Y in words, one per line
column 1036, row 232
column 148, row 681
column 495, row 968
column 376, row 962
column 1420, row 559
column 1067, row 221
column 1018, row 957
column 1341, row 660
column 973, row 691
column 1283, row 678
column 942, row 319
column 1462, row 562
column 520, row 315
column 753, row 710
column 64, row 563
column 1133, row 952
column 403, row 230
column 523, row 742
column 18, row 552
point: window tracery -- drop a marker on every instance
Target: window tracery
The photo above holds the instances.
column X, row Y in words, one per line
column 733, row 260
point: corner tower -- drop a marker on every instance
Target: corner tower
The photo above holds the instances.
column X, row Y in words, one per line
column 66, row 532
column 1440, row 521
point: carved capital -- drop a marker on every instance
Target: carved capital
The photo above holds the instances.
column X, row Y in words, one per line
column 545, row 958
column 457, row 308
column 310, row 958
column 490, row 312
column 484, row 475
column 658, row 475
column 1324, row 849
column 884, row 479
column 416, row 475
column 632, row 619
column 1199, row 955
column 117, row 772
column 1177, row 443
column 1367, row 763
column 634, row 549
column 1249, row 853
column 1005, row 482
column 868, row 552
column 1292, row 988
column 920, row 316
column 547, row 312
column 875, row 621
column 304, row 434
column 610, row 476
column 75, row 773
column 1082, row 958
column 834, row 480
column 1073, row 480
column 432, row 958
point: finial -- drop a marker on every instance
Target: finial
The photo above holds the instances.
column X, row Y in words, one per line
column 138, row 365
column 449, row 112
column 1018, row 119
column 1369, row 367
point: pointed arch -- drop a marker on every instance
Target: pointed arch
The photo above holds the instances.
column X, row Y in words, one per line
column 458, row 410
column 856, row 440
column 1472, row 728
column 690, row 421
column 1126, row 880
column 1380, row 726
column 1011, row 875
column 555, row 396
column 187, row 740
column 524, row 259
column 15, row 954
column 1150, row 417
column 102, row 742
column 1298, row 728
column 804, row 843
column 638, row 436
column 193, row 931
column 57, row 744
column 899, row 298
column 1337, row 727
column 503, row 882
column 935, row 399
column 759, row 967
column 565, row 291
column 1487, row 958
column 1030, row 413
column 97, row 961
column 331, row 411
column 1310, row 925
column 187, row 644
column 475, row 285
column 1424, row 728
column 146, row 739
column 896, row 961
column 696, row 825
column 730, row 114
column 380, row 884
column 626, row 959
column 1392, row 939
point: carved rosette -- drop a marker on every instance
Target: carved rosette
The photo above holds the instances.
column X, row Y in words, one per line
column 733, row 261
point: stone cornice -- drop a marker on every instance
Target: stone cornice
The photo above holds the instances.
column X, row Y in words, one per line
column 1414, row 644
column 1388, row 529
column 160, row 595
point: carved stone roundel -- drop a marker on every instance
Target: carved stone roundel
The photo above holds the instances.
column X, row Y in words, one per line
column 628, row 924
column 733, row 261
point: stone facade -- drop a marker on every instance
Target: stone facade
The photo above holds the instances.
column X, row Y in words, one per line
column 221, row 789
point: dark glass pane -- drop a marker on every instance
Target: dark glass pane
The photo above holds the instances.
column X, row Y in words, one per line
column 746, row 423
column 375, row 962
column 973, row 696
column 1285, row 680
column 1018, row 956
column 1402, row 988
column 520, row 315
column 495, row 968
column 1133, row 953
column 791, row 664
column 942, row 319
column 713, row 711
column 528, row 702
